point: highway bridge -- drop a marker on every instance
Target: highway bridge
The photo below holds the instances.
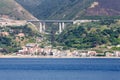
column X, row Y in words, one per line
column 42, row 23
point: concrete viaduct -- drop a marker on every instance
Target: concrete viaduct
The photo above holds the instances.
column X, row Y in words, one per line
column 42, row 23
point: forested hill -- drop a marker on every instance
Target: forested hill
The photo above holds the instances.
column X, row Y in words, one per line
column 71, row 9
column 91, row 35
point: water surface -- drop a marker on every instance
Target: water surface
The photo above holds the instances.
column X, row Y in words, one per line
column 59, row 69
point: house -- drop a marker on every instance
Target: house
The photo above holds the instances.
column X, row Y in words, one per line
column 21, row 35
column 4, row 33
column 32, row 48
column 117, row 53
column 109, row 54
column 83, row 53
column 75, row 53
column 92, row 53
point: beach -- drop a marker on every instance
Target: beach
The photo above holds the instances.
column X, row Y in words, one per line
column 29, row 56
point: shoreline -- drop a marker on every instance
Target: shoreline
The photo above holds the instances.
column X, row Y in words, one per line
column 28, row 56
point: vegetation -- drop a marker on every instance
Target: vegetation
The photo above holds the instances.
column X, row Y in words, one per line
column 116, row 48
column 16, row 37
column 90, row 35
column 8, row 45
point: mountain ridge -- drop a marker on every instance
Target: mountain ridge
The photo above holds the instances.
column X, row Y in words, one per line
column 14, row 10
column 71, row 9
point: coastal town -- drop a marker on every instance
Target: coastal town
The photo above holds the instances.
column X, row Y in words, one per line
column 34, row 49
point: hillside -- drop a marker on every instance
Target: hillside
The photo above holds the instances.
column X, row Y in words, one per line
column 71, row 9
column 91, row 35
column 104, row 8
column 12, row 9
column 13, row 38
column 55, row 9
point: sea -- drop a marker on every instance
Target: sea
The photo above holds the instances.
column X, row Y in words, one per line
column 60, row 69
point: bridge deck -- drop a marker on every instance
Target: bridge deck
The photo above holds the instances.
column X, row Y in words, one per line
column 51, row 21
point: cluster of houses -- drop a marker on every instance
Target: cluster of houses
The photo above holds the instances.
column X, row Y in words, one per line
column 33, row 49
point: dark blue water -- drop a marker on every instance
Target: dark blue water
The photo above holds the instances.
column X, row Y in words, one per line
column 59, row 69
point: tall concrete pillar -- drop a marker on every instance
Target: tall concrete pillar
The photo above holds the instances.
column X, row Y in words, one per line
column 40, row 27
column 60, row 27
column 63, row 25
column 44, row 26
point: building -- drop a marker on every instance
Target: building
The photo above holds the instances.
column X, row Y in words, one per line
column 117, row 53
column 83, row 53
column 4, row 34
column 21, row 35
column 92, row 53
column 29, row 49
column 109, row 54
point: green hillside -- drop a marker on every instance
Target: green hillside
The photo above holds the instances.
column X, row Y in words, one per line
column 91, row 35
column 13, row 38
column 13, row 10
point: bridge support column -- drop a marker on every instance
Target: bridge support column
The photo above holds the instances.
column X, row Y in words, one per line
column 42, row 27
column 63, row 25
column 60, row 27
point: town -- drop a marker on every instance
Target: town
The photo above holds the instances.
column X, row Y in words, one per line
column 34, row 49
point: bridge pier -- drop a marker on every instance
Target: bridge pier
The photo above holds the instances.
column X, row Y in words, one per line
column 61, row 26
column 42, row 27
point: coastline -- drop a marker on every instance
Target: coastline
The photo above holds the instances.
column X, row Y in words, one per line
column 28, row 56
